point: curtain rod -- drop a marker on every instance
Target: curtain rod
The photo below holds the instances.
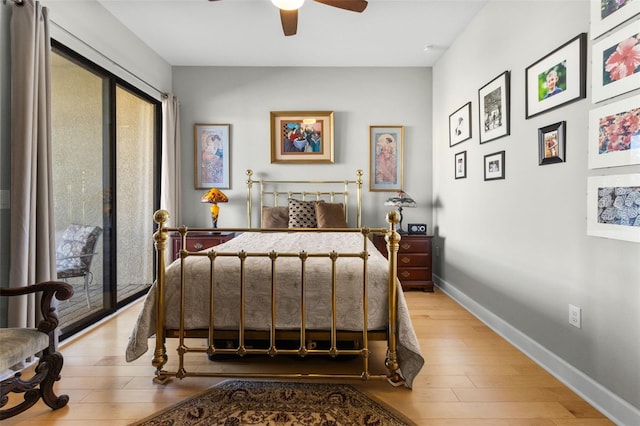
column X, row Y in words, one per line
column 163, row 95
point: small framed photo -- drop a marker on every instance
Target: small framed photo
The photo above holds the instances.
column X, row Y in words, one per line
column 612, row 207
column 460, row 125
column 461, row 165
column 608, row 14
column 494, row 166
column 614, row 134
column 386, row 150
column 302, row 136
column 211, row 155
column 493, row 108
column 557, row 79
column 551, row 143
column 613, row 72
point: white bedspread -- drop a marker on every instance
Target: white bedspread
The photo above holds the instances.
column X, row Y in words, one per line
column 288, row 285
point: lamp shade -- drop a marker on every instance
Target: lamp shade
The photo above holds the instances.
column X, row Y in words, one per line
column 214, row 196
column 402, row 199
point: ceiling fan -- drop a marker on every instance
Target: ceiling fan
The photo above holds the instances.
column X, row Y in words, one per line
column 289, row 11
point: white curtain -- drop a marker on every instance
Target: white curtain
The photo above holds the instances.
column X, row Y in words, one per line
column 170, row 188
column 32, row 245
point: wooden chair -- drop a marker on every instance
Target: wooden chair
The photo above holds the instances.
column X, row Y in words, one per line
column 18, row 344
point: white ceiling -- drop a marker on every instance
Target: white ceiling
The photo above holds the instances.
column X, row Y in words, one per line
column 249, row 33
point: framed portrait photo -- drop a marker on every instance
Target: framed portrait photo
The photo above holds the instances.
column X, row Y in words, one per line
column 386, row 150
column 460, row 165
column 302, row 136
column 612, row 208
column 460, row 125
column 211, row 155
column 614, row 134
column 494, row 166
column 551, row 143
column 608, row 14
column 614, row 72
column 557, row 79
column 494, row 108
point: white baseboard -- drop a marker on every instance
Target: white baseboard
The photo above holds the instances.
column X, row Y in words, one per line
column 611, row 405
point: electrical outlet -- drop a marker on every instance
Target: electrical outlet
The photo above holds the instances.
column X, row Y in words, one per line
column 575, row 314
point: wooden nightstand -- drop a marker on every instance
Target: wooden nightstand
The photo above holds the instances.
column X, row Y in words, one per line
column 414, row 260
column 197, row 241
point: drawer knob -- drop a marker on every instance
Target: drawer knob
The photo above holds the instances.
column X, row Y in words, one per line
column 405, row 260
column 405, row 246
column 405, row 274
column 198, row 246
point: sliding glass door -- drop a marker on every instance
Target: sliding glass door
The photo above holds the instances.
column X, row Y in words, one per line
column 105, row 149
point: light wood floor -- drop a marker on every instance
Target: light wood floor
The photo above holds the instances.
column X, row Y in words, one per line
column 471, row 377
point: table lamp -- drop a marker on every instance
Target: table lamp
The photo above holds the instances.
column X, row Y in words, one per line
column 400, row 200
column 214, row 196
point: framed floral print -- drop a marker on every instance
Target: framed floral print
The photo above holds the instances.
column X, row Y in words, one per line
column 302, row 136
column 494, row 108
column 608, row 14
column 616, row 69
column 551, row 143
column 557, row 79
column 386, row 150
column 612, row 207
column 614, row 134
column 460, row 125
column 211, row 155
column 494, row 166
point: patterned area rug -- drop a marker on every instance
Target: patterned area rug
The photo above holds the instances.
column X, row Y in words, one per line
column 236, row 402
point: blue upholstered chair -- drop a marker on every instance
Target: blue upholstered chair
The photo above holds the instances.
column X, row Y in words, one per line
column 75, row 253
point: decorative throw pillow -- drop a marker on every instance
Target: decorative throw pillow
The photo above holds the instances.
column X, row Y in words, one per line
column 302, row 214
column 275, row 217
column 331, row 215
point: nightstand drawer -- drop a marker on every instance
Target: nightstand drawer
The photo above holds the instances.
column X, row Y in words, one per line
column 199, row 241
column 414, row 259
column 414, row 274
column 410, row 245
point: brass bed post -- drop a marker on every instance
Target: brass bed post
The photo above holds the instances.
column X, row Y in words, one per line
column 249, row 196
column 359, row 198
column 160, row 237
column 393, row 238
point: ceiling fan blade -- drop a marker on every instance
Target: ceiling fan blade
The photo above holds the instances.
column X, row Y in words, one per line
column 352, row 5
column 289, row 20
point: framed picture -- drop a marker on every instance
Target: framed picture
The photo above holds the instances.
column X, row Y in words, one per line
column 608, row 14
column 211, row 155
column 493, row 108
column 612, row 207
column 461, row 165
column 494, row 166
column 551, row 146
column 613, row 71
column 557, row 79
column 614, row 134
column 460, row 125
column 302, row 136
column 386, row 150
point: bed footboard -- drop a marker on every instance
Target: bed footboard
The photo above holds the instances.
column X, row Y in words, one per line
column 303, row 337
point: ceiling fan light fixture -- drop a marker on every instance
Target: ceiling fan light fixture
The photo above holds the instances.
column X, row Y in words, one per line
column 288, row 4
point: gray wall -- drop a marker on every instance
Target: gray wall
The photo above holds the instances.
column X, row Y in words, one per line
column 516, row 250
column 359, row 97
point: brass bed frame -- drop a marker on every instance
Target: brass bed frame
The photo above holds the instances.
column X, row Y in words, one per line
column 274, row 336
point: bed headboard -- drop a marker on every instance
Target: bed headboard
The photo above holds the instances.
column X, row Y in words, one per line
column 275, row 193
